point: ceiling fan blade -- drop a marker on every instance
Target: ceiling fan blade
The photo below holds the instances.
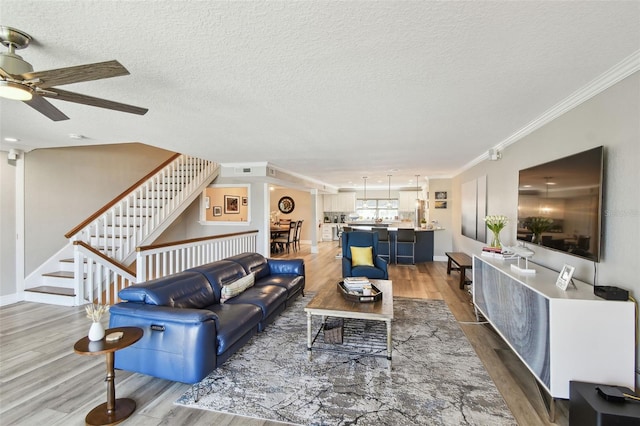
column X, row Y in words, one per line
column 77, row 74
column 43, row 106
column 63, row 95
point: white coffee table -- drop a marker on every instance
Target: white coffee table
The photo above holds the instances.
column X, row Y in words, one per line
column 329, row 302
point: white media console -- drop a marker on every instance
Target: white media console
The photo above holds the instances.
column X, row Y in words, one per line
column 559, row 335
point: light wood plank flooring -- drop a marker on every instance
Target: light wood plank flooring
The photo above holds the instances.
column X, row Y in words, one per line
column 43, row 382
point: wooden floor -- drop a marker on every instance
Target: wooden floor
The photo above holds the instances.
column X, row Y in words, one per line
column 43, row 382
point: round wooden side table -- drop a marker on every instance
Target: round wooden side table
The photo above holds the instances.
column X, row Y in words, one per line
column 114, row 410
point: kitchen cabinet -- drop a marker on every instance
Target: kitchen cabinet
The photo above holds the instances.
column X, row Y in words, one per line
column 407, row 201
column 328, row 231
column 340, row 202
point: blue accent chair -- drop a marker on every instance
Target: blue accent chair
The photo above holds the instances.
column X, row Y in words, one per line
column 362, row 239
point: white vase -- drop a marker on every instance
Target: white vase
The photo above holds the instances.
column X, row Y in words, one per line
column 96, row 332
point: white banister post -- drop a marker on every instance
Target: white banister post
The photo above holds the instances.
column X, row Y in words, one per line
column 141, row 267
column 78, row 275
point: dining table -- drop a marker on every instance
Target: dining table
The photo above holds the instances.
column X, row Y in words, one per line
column 277, row 231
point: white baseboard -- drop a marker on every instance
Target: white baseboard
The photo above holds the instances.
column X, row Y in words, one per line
column 439, row 258
column 10, row 299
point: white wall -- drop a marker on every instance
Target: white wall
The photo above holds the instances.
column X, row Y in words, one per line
column 611, row 119
column 8, row 171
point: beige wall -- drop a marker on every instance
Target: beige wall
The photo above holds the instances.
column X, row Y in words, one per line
column 63, row 186
column 442, row 238
column 217, row 198
column 7, row 225
column 301, row 211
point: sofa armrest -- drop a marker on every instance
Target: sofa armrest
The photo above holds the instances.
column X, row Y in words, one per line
column 382, row 264
column 286, row 266
column 162, row 313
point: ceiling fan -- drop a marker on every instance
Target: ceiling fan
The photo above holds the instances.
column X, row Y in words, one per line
column 18, row 80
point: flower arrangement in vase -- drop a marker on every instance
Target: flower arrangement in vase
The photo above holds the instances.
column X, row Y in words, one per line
column 495, row 223
column 94, row 313
column 537, row 225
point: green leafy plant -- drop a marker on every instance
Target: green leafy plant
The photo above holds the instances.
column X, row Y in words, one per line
column 537, row 225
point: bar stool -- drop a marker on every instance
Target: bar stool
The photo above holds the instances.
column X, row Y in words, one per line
column 340, row 232
column 406, row 236
column 383, row 238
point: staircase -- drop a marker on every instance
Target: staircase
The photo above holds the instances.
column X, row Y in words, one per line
column 101, row 249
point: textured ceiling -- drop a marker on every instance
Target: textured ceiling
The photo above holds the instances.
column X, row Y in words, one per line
column 330, row 90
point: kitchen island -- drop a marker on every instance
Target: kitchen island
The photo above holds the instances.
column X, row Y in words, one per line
column 423, row 249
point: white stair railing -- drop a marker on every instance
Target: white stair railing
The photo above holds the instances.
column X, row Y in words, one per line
column 141, row 211
column 158, row 261
column 103, row 278
column 137, row 217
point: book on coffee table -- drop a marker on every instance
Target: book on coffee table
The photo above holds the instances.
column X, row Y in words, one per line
column 356, row 283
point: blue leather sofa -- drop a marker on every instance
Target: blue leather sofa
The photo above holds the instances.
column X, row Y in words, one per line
column 187, row 331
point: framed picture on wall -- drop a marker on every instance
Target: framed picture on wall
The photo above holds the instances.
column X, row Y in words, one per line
column 244, row 201
column 217, row 210
column 441, row 195
column 231, row 204
column 441, row 205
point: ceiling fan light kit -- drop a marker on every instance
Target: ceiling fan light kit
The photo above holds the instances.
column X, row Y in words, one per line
column 14, row 91
column 19, row 82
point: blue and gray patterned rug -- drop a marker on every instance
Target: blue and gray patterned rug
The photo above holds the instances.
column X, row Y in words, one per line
column 435, row 377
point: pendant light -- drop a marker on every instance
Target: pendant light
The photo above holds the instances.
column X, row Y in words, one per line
column 417, row 196
column 365, row 189
column 389, row 195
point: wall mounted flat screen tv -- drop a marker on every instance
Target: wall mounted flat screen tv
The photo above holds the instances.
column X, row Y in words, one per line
column 560, row 204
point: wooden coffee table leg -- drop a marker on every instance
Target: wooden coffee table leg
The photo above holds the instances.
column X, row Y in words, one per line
column 308, row 331
column 389, row 344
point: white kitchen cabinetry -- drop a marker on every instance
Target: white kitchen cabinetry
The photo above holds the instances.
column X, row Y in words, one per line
column 327, row 231
column 407, row 201
column 340, row 202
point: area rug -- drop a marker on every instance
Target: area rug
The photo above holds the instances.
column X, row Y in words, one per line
column 435, row 377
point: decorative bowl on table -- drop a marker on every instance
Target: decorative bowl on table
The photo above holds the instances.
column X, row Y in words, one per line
column 358, row 296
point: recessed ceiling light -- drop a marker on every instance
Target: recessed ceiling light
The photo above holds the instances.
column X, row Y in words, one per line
column 11, row 139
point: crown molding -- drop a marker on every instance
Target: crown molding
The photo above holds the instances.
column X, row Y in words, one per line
column 617, row 73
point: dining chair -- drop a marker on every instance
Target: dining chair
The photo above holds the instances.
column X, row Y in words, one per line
column 288, row 239
column 297, row 239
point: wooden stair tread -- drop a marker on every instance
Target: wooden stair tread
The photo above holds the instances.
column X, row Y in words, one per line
column 59, row 274
column 60, row 291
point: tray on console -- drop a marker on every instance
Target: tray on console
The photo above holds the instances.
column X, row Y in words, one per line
column 376, row 294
